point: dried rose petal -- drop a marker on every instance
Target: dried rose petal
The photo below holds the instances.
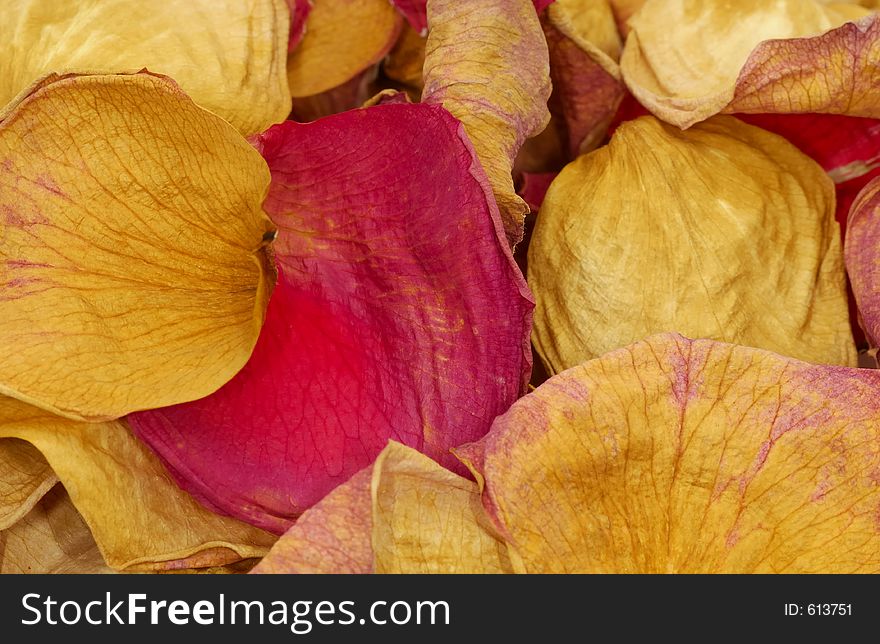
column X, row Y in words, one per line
column 299, row 13
column 398, row 313
column 685, row 456
column 722, row 231
column 686, row 60
column 486, row 62
column 229, row 57
column 863, row 258
column 107, row 184
column 416, row 12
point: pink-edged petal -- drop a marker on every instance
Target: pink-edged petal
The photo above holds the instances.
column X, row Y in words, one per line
column 399, row 313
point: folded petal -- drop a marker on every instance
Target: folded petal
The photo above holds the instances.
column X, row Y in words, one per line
column 140, row 519
column 587, row 87
column 399, row 313
column 133, row 270
column 342, row 39
column 25, row 477
column 406, row 514
column 227, row 54
column 51, row 539
column 486, row 62
column 723, row 231
column 863, row 258
column 623, row 11
column 681, row 456
column 686, row 60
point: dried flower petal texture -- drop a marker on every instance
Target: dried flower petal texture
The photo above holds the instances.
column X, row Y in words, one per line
column 863, row 258
column 399, row 313
column 722, row 231
column 685, row 62
column 668, row 456
column 486, row 62
column 689, row 456
column 228, row 55
column 139, row 518
column 107, row 185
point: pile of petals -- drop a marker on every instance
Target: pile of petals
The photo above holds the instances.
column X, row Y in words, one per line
column 440, row 286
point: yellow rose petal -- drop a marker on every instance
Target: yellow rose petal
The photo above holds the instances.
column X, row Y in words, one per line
column 680, row 456
column 723, row 231
column 133, row 269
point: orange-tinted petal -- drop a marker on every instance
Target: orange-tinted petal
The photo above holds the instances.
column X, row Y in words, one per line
column 683, row 456
column 342, row 39
column 486, row 62
column 686, row 60
column 133, row 270
column 138, row 516
column 229, row 56
column 722, row 231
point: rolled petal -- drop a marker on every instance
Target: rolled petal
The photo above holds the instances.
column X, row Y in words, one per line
column 587, row 86
column 409, row 516
column 51, row 539
column 133, row 272
column 723, row 231
column 863, row 258
column 342, row 39
column 25, row 477
column 299, row 13
column 686, row 60
column 399, row 313
column 140, row 519
column 486, row 62
column 680, row 456
column 228, row 55
column 416, row 12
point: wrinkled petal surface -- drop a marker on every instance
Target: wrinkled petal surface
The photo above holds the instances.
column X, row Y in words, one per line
column 587, row 87
column 405, row 514
column 416, row 12
column 863, row 258
column 108, row 185
column 25, row 477
column 51, row 539
column 342, row 39
column 229, row 55
column 723, row 231
column 686, row 60
column 486, row 62
column 399, row 313
column 140, row 519
column 680, row 456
